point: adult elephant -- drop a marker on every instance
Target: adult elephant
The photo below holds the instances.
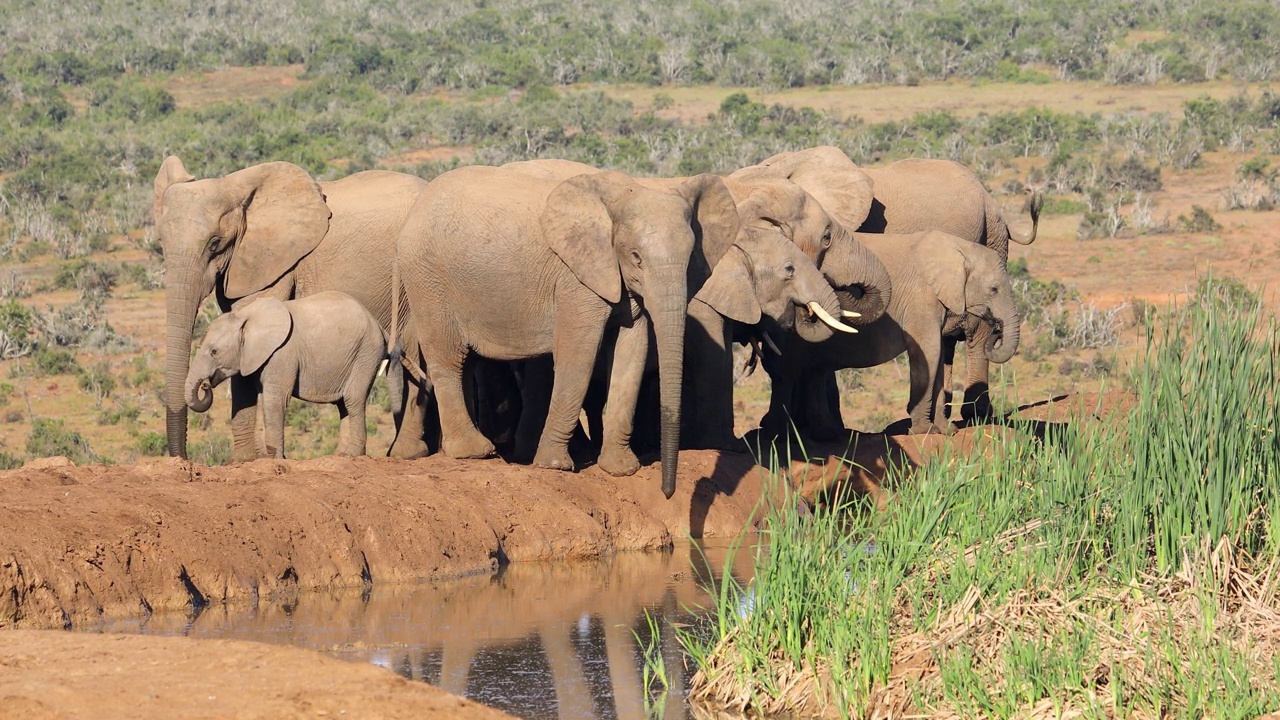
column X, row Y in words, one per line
column 512, row 266
column 271, row 230
column 940, row 284
column 764, row 203
column 861, row 284
column 911, row 196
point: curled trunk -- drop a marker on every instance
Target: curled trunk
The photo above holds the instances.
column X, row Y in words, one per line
column 861, row 281
column 1003, row 343
column 199, row 395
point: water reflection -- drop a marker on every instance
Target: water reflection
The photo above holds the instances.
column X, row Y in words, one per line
column 537, row 640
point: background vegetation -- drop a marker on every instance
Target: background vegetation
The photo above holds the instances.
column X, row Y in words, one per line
column 90, row 108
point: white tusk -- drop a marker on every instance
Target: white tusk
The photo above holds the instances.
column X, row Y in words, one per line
column 825, row 317
column 769, row 342
column 850, row 314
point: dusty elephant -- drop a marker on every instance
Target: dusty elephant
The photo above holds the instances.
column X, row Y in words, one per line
column 910, row 196
column 513, row 267
column 271, row 230
column 323, row 348
column 940, row 283
column 776, row 211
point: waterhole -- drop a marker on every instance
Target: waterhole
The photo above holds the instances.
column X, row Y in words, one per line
column 536, row 640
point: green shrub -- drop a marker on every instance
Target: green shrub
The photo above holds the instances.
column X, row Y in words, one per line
column 212, row 449
column 1199, row 222
column 50, row 438
column 9, row 461
column 97, row 381
column 151, row 444
column 54, row 361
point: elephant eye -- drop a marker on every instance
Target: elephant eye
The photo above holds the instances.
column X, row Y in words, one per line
column 789, row 270
column 826, row 237
column 213, row 352
column 635, row 257
column 215, row 244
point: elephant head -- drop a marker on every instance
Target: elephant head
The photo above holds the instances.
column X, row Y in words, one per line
column 766, row 196
column 766, row 275
column 971, row 281
column 615, row 234
column 237, row 343
column 238, row 234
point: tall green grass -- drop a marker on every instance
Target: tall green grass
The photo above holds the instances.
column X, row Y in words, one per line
column 1110, row 566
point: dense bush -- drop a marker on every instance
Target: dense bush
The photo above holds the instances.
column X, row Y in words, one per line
column 50, row 438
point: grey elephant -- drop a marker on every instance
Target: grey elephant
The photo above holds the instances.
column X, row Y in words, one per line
column 271, row 230
column 774, row 211
column 910, row 196
column 940, row 283
column 323, row 348
column 514, row 267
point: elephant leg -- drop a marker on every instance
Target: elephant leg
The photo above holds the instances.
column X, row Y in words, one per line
column 624, row 675
column 709, row 381
column 977, row 388
column 244, row 416
column 948, row 366
column 822, row 419
column 274, row 404
column 535, row 379
column 410, row 441
column 578, row 332
column 924, row 351
column 460, row 438
column 782, row 380
column 630, row 353
column 353, row 439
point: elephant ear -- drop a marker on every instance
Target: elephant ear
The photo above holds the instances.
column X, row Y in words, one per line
column 826, row 173
column 171, row 172
column 730, row 290
column 284, row 218
column 267, row 324
column 579, row 229
column 715, row 216
column 946, row 271
column 771, row 201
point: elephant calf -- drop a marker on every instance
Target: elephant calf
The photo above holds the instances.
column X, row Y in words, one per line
column 941, row 283
column 321, row 348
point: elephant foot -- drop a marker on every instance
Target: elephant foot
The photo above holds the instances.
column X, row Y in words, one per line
column 618, row 461
column 557, row 459
column 477, row 446
column 409, row 450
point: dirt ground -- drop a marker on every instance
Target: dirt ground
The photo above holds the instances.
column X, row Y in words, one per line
column 45, row 675
column 86, row 544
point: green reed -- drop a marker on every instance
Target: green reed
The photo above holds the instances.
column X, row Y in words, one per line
column 1096, row 568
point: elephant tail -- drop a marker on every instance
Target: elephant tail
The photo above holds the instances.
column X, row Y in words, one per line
column 395, row 378
column 1037, row 202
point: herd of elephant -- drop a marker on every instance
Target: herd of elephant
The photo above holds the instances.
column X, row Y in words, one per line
column 513, row 301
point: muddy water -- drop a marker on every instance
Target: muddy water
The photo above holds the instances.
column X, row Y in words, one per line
column 537, row 640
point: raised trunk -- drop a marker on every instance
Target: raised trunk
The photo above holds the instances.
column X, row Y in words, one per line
column 187, row 286
column 1002, row 345
column 861, row 281
column 668, row 316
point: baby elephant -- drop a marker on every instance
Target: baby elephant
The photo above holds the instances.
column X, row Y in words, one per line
column 941, row 284
column 321, row 348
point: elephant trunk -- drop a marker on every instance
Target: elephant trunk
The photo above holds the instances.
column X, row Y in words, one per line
column 668, row 315
column 187, row 284
column 1001, row 345
column 861, row 281
column 814, row 292
column 199, row 394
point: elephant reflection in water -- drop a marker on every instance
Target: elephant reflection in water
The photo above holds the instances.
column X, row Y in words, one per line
column 457, row 633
